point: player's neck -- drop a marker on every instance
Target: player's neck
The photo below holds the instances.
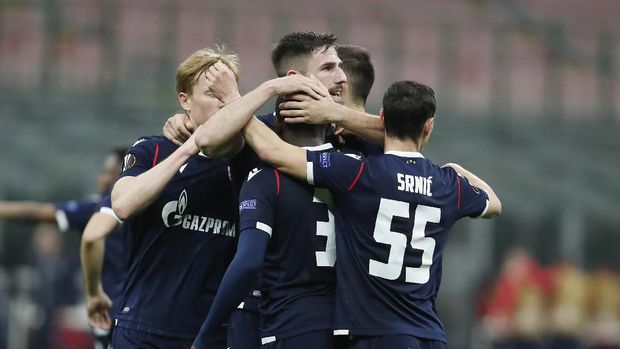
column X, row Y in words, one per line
column 304, row 135
column 395, row 144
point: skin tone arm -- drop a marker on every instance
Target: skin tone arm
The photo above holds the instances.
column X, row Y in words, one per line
column 229, row 121
column 301, row 109
column 495, row 205
column 132, row 194
column 92, row 247
column 28, row 210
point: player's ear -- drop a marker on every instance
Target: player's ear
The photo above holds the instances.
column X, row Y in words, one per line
column 428, row 126
column 292, row 72
column 382, row 116
column 184, row 101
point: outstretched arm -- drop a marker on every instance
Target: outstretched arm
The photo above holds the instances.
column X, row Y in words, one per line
column 132, row 194
column 226, row 124
column 274, row 151
column 240, row 278
column 92, row 248
column 28, row 210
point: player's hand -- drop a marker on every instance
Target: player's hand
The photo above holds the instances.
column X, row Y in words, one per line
column 222, row 82
column 98, row 307
column 178, row 128
column 298, row 84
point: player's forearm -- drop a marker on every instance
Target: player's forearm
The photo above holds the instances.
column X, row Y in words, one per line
column 92, row 262
column 274, row 151
column 365, row 125
column 220, row 135
column 131, row 195
column 25, row 210
column 495, row 205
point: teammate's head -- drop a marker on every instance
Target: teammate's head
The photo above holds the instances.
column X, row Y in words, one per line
column 408, row 111
column 110, row 169
column 357, row 65
column 310, row 53
column 192, row 86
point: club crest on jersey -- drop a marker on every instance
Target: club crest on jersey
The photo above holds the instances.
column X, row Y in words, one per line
column 247, row 205
column 325, row 159
column 129, row 162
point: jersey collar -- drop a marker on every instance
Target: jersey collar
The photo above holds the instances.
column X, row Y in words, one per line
column 325, row 146
column 405, row 154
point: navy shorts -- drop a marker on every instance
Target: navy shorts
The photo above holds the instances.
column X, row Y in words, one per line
column 311, row 340
column 393, row 342
column 123, row 338
column 243, row 330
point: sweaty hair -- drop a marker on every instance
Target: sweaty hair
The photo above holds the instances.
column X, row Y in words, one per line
column 198, row 62
column 406, row 107
column 357, row 65
column 294, row 50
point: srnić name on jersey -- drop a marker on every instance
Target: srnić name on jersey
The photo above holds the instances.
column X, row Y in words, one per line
column 414, row 184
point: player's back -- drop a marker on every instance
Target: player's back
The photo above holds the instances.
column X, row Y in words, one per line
column 181, row 244
column 298, row 281
column 394, row 212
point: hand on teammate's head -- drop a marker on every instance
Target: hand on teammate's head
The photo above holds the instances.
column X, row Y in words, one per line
column 222, row 82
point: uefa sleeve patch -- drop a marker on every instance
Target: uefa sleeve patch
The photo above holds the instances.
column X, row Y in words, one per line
column 325, row 160
column 247, row 205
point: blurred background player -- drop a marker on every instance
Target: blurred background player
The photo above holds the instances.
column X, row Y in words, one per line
column 386, row 294
column 177, row 205
column 74, row 215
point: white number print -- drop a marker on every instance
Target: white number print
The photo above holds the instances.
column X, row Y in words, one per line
column 388, row 209
column 327, row 228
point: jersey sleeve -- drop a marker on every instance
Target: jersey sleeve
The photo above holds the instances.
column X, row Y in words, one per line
column 74, row 214
column 106, row 207
column 471, row 200
column 257, row 200
column 338, row 172
column 141, row 157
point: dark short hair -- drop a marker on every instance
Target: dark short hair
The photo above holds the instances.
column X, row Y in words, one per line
column 406, row 107
column 357, row 65
column 293, row 50
column 119, row 152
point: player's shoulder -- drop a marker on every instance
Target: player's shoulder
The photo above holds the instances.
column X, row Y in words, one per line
column 261, row 174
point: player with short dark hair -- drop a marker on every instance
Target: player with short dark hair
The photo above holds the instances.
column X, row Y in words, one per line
column 394, row 214
column 177, row 205
column 358, row 67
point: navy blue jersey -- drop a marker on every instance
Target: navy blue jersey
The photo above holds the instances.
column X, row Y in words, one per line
column 393, row 214
column 352, row 144
column 240, row 165
column 115, row 257
column 298, row 281
column 180, row 245
column 75, row 214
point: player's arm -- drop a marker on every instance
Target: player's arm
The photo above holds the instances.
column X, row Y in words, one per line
column 92, row 248
column 226, row 124
column 131, row 194
column 28, row 211
column 494, row 205
column 301, row 109
column 274, row 151
column 240, row 278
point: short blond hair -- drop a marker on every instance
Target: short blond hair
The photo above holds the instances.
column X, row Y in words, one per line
column 198, row 62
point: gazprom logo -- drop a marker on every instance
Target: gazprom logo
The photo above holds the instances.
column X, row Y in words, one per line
column 172, row 213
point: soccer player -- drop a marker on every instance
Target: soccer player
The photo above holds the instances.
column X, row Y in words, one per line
column 394, row 212
column 74, row 215
column 177, row 205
